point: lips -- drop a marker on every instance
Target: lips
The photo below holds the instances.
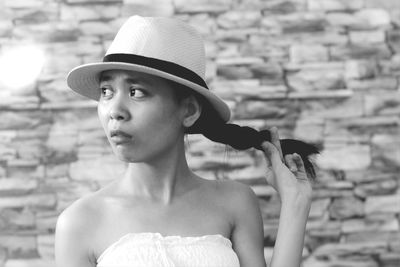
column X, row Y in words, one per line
column 120, row 137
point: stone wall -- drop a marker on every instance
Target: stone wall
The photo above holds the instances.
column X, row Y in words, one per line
column 324, row 71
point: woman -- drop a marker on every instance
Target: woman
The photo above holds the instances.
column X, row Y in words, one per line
column 151, row 91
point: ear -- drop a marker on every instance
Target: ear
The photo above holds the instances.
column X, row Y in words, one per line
column 192, row 111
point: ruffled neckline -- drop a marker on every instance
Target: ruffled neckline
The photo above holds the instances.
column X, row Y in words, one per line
column 168, row 239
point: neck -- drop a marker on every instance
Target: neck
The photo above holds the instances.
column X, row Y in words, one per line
column 161, row 180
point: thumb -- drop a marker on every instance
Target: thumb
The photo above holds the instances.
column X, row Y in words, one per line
column 271, row 153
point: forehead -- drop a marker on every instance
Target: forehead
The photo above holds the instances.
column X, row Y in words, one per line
column 130, row 76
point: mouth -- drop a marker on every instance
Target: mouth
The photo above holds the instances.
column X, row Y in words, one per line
column 120, row 137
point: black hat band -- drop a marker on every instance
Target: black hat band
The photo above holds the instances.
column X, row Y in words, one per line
column 162, row 65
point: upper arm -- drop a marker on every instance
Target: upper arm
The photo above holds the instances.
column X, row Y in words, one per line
column 71, row 245
column 248, row 231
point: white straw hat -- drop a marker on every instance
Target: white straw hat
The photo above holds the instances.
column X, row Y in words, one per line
column 164, row 47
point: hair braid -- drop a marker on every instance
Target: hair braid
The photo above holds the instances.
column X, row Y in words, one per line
column 243, row 137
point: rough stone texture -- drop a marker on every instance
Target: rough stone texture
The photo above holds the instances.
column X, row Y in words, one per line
column 333, row 5
column 323, row 71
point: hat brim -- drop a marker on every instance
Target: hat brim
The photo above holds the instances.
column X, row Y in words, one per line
column 84, row 80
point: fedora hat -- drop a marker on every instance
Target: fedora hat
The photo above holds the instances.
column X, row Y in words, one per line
column 165, row 47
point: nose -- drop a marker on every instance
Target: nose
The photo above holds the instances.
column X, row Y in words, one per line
column 118, row 109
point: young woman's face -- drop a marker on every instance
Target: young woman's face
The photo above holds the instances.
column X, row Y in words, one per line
column 143, row 107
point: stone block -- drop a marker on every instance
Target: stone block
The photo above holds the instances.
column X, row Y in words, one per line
column 384, row 187
column 89, row 12
column 36, row 15
column 385, row 149
column 349, row 107
column 342, row 19
column 246, row 88
column 24, row 3
column 195, row 6
column 268, row 73
column 389, row 259
column 331, row 193
column 340, row 250
column 318, row 76
column 14, row 220
column 234, row 72
column 382, row 103
column 302, row 22
column 367, row 37
column 365, row 19
column 204, row 24
column 308, row 53
column 7, row 152
column 347, row 207
column 360, row 51
column 226, row 61
column 32, row 262
column 371, row 18
column 387, row 223
column 45, row 246
column 57, row 90
column 360, row 69
column 61, row 147
column 19, row 246
column 394, row 242
column 333, row 262
column 349, row 157
column 239, row 19
column 391, row 66
column 259, row 109
column 38, row 201
column 97, row 28
column 155, row 8
column 377, row 84
column 309, row 130
column 57, row 63
column 73, row 2
column 319, row 208
column 334, row 5
column 29, row 149
column 387, row 4
column 17, row 185
column 379, row 204
column 5, row 28
column 323, row 228
column 46, row 221
column 394, row 40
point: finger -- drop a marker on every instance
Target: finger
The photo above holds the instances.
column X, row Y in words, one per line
column 271, row 153
column 299, row 162
column 275, row 140
column 290, row 162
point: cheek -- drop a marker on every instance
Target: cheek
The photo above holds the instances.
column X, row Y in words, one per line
column 102, row 115
column 163, row 119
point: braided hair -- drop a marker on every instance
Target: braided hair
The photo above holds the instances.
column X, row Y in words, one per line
column 212, row 126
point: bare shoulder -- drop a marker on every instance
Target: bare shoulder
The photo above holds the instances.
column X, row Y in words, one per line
column 235, row 191
column 74, row 231
column 238, row 197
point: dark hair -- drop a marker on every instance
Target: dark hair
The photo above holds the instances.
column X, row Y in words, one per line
column 212, row 126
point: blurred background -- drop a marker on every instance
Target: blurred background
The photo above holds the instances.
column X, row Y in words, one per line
column 323, row 71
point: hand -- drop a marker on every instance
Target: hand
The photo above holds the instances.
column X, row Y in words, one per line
column 291, row 183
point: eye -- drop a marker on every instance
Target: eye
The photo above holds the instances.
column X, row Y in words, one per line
column 138, row 93
column 105, row 91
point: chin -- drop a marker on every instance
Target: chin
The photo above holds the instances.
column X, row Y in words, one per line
column 130, row 155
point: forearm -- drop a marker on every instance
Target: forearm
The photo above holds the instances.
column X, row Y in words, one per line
column 290, row 238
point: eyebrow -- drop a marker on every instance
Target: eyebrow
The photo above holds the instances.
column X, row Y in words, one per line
column 106, row 78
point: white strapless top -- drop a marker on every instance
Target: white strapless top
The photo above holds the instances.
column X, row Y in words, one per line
column 154, row 250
